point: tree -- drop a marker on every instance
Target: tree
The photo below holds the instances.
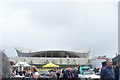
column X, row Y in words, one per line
column 53, row 61
column 60, row 61
column 74, row 61
column 46, row 62
column 68, row 61
column 31, row 62
column 89, row 61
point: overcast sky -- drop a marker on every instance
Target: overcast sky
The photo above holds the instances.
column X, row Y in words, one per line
column 66, row 26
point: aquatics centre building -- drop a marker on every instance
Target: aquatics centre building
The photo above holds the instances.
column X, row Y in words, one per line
column 60, row 57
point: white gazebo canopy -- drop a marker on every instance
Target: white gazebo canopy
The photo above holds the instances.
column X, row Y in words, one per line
column 22, row 64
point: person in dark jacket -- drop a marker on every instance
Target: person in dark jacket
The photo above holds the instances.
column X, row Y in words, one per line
column 107, row 73
column 75, row 72
column 117, row 71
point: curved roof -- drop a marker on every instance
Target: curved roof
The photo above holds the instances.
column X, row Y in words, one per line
column 54, row 53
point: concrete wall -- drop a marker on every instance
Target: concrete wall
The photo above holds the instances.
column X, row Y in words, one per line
column 59, row 61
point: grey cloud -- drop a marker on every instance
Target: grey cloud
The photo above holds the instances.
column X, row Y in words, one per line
column 64, row 26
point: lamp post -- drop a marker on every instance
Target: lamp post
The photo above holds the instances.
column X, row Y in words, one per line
column 116, row 58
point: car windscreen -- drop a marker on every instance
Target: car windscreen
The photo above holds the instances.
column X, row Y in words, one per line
column 89, row 72
column 43, row 72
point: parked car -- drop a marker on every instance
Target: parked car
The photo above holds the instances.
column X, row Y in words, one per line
column 82, row 69
column 89, row 74
column 44, row 74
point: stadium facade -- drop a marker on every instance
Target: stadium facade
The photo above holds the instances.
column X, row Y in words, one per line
column 61, row 57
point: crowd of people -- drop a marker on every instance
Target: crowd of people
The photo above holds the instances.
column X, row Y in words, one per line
column 108, row 72
column 55, row 73
column 31, row 72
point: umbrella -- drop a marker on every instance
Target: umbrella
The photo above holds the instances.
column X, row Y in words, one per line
column 69, row 68
column 51, row 65
column 21, row 63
